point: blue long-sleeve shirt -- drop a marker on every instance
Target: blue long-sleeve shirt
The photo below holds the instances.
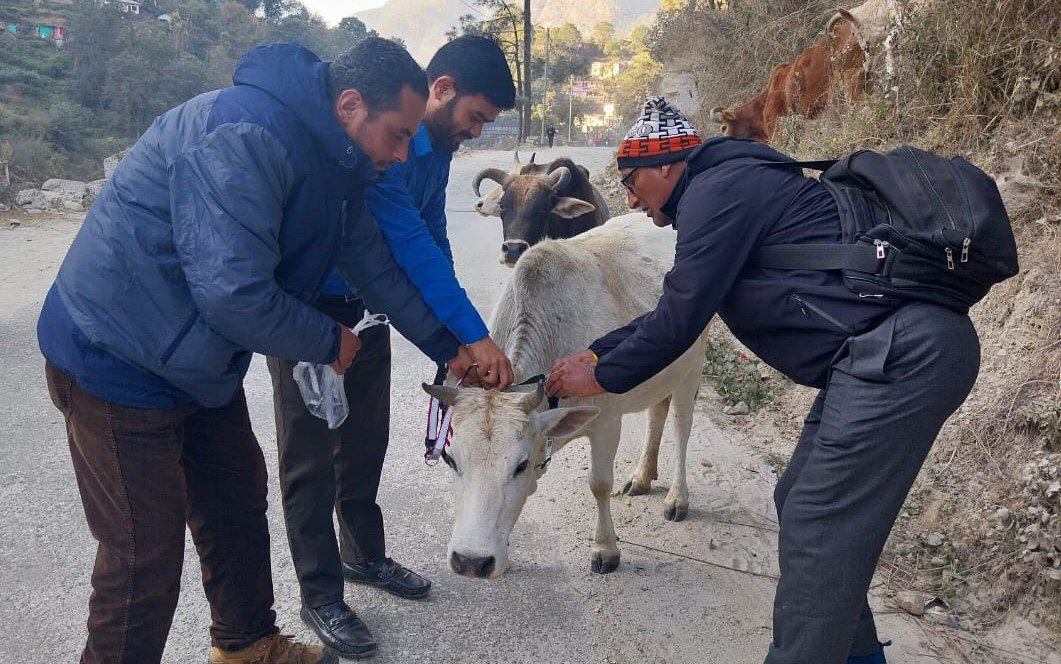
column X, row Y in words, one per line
column 410, row 206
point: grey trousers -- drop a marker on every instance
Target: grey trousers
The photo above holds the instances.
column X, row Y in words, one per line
column 863, row 442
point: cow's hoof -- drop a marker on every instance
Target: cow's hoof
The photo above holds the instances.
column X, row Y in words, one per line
column 632, row 489
column 603, row 564
column 675, row 512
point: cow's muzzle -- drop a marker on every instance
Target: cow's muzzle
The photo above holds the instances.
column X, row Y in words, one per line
column 511, row 250
column 480, row 567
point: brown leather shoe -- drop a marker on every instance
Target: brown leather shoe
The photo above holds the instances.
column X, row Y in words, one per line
column 274, row 649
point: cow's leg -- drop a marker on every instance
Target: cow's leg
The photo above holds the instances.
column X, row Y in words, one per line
column 676, row 504
column 647, row 468
column 603, row 442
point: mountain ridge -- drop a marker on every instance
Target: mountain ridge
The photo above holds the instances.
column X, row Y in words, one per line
column 433, row 18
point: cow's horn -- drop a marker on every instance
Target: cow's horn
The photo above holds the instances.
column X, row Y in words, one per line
column 716, row 113
column 560, row 178
column 533, row 155
column 515, row 157
column 533, row 399
column 495, row 174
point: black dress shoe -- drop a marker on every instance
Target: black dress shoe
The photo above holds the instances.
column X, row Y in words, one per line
column 389, row 576
column 340, row 629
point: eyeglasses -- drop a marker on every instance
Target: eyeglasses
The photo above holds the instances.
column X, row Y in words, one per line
column 627, row 180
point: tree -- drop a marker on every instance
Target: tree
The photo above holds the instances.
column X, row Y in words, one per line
column 505, row 24
column 352, row 31
column 94, row 35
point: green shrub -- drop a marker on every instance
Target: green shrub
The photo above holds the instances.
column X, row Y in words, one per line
column 734, row 375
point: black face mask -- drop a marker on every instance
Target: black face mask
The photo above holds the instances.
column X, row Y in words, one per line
column 670, row 208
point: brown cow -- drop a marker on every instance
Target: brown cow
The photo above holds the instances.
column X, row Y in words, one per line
column 834, row 63
column 757, row 118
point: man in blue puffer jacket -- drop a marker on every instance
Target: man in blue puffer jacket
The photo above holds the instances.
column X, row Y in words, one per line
column 889, row 373
column 324, row 471
column 205, row 246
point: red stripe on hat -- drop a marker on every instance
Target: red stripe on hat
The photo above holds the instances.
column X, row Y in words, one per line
column 647, row 147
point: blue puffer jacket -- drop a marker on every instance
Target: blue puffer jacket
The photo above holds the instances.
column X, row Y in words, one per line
column 223, row 222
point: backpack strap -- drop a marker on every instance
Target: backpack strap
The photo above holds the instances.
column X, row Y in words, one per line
column 815, row 165
column 863, row 258
column 860, row 257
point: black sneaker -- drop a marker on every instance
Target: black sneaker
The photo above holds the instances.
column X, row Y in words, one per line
column 340, row 629
column 389, row 576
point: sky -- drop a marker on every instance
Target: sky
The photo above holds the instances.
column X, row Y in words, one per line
column 335, row 10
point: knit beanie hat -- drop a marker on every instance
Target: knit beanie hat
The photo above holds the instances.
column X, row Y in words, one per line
column 661, row 135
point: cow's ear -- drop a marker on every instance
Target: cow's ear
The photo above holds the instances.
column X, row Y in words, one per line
column 443, row 393
column 488, row 208
column 564, row 422
column 569, row 208
column 728, row 115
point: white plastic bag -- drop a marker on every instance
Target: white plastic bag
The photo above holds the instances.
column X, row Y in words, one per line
column 322, row 389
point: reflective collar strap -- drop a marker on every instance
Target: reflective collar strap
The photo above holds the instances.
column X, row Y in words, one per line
column 434, row 440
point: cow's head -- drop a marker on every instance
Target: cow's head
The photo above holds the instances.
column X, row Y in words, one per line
column 528, row 202
column 498, row 448
column 744, row 121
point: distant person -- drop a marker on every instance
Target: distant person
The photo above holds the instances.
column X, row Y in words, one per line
column 551, row 133
column 324, row 471
column 889, row 373
column 206, row 246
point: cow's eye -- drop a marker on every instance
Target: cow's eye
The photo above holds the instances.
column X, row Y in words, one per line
column 520, row 468
column 450, row 462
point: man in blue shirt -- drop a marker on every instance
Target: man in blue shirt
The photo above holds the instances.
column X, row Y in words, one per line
column 321, row 469
column 205, row 246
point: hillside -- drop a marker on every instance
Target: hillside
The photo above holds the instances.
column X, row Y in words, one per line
column 434, row 17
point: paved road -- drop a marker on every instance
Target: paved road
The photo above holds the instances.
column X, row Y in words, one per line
column 549, row 608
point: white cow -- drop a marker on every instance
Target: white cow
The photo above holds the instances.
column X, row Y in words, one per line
column 563, row 294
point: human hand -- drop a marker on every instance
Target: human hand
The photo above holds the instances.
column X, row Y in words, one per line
column 495, row 370
column 349, row 344
column 572, row 376
column 459, row 366
column 587, row 356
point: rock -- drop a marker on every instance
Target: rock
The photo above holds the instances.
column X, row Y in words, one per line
column 15, row 224
column 706, row 463
column 937, row 561
column 111, row 163
column 912, row 601
column 740, row 408
column 765, row 372
column 45, row 199
column 1002, row 515
column 93, row 188
column 938, row 614
column 934, row 540
column 73, row 189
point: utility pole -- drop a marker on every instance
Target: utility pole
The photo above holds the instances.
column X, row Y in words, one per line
column 545, row 88
column 528, row 31
column 570, row 105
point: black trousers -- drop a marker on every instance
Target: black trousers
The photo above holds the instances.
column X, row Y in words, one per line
column 863, row 443
column 322, row 470
column 143, row 475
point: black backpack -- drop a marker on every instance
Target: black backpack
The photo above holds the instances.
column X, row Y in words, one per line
column 916, row 226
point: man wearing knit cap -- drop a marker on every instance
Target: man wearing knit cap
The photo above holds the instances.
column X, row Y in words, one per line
column 889, row 374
